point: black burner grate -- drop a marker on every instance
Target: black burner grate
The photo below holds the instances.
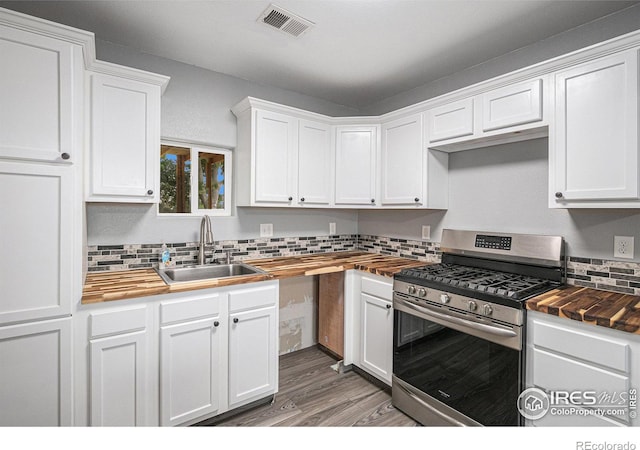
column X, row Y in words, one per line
column 503, row 284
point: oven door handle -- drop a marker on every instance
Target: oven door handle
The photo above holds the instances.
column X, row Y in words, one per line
column 492, row 329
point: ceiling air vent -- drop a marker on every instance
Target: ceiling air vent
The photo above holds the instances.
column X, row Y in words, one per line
column 284, row 21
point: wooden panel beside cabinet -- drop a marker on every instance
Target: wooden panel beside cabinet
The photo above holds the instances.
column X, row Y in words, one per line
column 331, row 312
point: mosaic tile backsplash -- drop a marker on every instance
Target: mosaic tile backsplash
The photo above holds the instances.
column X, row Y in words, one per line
column 608, row 275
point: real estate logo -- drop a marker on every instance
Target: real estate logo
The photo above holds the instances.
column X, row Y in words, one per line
column 533, row 403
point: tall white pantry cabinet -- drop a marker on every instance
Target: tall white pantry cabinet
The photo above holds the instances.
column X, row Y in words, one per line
column 48, row 117
column 41, row 132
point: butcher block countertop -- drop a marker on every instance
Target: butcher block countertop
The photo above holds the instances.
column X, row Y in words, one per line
column 119, row 285
column 607, row 309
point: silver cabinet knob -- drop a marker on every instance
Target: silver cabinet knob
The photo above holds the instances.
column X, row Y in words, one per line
column 65, row 156
column 444, row 299
column 473, row 306
column 487, row 310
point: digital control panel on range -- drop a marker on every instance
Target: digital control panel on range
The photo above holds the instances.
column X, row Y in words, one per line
column 493, row 242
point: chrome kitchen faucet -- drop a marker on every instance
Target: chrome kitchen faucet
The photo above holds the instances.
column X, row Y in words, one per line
column 206, row 238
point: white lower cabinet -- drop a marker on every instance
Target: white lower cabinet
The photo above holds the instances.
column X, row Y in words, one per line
column 175, row 359
column 369, row 323
column 377, row 334
column 253, row 345
column 189, row 359
column 587, row 362
column 118, row 367
column 35, row 374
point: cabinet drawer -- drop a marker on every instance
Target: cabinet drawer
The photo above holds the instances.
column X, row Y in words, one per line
column 116, row 322
column 556, row 372
column 512, row 105
column 586, row 346
column 252, row 298
column 377, row 288
column 189, row 309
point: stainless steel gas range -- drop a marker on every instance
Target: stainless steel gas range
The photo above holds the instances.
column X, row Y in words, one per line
column 459, row 337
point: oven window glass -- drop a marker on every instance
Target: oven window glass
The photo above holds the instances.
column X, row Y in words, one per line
column 478, row 378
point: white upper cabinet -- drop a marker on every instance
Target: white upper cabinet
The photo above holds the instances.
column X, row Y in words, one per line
column 315, row 163
column 40, row 85
column 594, row 150
column 512, row 105
column 450, row 121
column 356, row 165
column 403, row 162
column 510, row 113
column 275, row 158
column 124, row 137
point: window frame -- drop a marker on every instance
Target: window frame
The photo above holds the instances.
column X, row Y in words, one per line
column 195, row 149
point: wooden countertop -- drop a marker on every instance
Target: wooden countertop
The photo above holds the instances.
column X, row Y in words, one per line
column 120, row 285
column 607, row 309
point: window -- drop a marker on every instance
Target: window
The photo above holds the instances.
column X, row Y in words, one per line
column 194, row 180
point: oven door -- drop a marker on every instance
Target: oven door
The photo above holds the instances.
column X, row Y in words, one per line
column 445, row 373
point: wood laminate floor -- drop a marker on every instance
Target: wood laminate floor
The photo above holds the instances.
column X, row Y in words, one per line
column 313, row 394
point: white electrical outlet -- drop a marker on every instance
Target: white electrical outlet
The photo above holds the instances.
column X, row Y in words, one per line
column 266, row 229
column 426, row 232
column 332, row 228
column 623, row 247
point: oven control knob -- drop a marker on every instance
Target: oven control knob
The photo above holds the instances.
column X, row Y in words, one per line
column 487, row 310
column 411, row 289
column 472, row 306
column 422, row 292
column 444, row 298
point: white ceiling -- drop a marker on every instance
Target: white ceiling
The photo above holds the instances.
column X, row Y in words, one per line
column 359, row 51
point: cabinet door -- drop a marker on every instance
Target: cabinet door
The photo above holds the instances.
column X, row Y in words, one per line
column 36, row 219
column 35, row 374
column 377, row 332
column 512, row 105
column 275, row 158
column 125, row 140
column 595, row 149
column 403, row 162
column 189, row 366
column 356, row 165
column 118, row 372
column 315, row 171
column 253, row 355
column 36, row 96
column 450, row 121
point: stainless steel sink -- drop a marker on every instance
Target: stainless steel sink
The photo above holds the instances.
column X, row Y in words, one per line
column 207, row 272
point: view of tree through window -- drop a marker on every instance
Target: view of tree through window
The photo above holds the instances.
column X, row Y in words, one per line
column 175, row 179
column 192, row 179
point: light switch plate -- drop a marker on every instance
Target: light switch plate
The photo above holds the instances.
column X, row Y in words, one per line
column 266, row 229
column 623, row 247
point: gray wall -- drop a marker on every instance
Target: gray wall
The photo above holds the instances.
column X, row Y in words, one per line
column 196, row 107
column 504, row 188
column 608, row 27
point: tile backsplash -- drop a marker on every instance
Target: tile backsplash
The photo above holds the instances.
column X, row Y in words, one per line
column 603, row 274
column 137, row 256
